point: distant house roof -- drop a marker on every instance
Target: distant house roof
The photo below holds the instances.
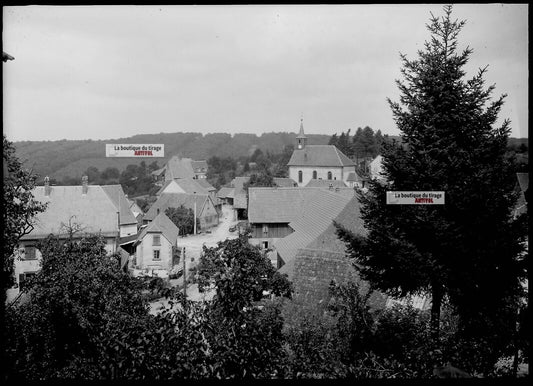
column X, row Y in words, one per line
column 285, row 182
column 314, row 183
column 188, row 185
column 240, row 199
column 226, row 192
column 175, row 200
column 119, row 199
column 135, row 209
column 205, row 184
column 199, row 166
column 158, row 171
column 94, row 212
column 319, row 155
column 161, row 224
column 177, row 167
column 354, row 177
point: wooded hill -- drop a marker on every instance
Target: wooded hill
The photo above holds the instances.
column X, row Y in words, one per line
column 70, row 158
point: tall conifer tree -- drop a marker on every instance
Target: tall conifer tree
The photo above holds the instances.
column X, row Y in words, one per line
column 468, row 251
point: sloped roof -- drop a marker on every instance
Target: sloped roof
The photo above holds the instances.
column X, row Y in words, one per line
column 199, row 166
column 315, row 183
column 95, row 211
column 317, row 217
column 163, row 187
column 353, row 176
column 225, row 192
column 175, row 200
column 161, row 224
column 179, row 168
column 285, row 182
column 188, row 185
column 319, row 155
column 121, row 202
column 6, row 56
column 239, row 196
column 158, row 171
column 205, row 184
column 523, row 181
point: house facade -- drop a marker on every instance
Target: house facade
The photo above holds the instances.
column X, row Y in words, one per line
column 206, row 211
column 80, row 210
column 318, row 162
column 156, row 246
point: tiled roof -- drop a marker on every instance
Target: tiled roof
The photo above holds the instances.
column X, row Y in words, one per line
column 119, row 199
column 199, row 166
column 240, row 199
column 175, row 200
column 179, row 168
column 318, row 215
column 95, row 212
column 314, row 183
column 161, row 223
column 353, row 176
column 283, row 205
column 225, row 192
column 188, row 185
column 205, row 184
column 523, row 181
column 319, row 155
column 285, row 182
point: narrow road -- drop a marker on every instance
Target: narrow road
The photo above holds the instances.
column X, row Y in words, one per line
column 193, row 248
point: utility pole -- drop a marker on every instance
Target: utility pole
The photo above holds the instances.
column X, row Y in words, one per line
column 184, row 277
column 195, row 213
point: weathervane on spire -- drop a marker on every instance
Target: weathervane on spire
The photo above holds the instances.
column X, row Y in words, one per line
column 301, row 139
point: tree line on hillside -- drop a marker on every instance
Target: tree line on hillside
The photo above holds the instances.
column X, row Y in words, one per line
column 365, row 143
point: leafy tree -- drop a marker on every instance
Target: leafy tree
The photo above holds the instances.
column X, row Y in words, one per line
column 468, row 250
column 74, row 307
column 19, row 207
column 183, row 218
column 110, row 173
column 93, row 174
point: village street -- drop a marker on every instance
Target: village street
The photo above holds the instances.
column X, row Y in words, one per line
column 193, row 249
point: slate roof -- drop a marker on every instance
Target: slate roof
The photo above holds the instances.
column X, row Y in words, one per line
column 119, row 199
column 161, row 224
column 175, row 200
column 285, row 182
column 189, row 185
column 95, row 211
column 314, row 183
column 319, row 155
column 184, row 167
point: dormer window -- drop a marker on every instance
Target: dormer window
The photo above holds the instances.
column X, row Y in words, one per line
column 156, row 240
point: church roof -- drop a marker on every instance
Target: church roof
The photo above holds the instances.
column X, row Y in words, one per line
column 319, row 155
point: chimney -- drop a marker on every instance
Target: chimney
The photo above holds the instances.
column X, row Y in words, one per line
column 47, row 186
column 84, row 185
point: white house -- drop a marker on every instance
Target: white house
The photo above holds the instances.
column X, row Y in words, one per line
column 86, row 209
column 318, row 162
column 156, row 245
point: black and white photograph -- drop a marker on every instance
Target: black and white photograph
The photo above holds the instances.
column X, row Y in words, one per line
column 265, row 192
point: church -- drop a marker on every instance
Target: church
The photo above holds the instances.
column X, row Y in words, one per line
column 318, row 162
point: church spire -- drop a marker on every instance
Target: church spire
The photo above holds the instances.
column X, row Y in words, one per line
column 301, row 139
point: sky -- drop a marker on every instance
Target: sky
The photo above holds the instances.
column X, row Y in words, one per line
column 107, row 72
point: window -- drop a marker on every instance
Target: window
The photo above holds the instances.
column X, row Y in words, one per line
column 156, row 240
column 265, row 244
column 300, row 176
column 314, row 174
column 156, row 254
column 29, row 252
column 265, row 230
column 329, row 176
